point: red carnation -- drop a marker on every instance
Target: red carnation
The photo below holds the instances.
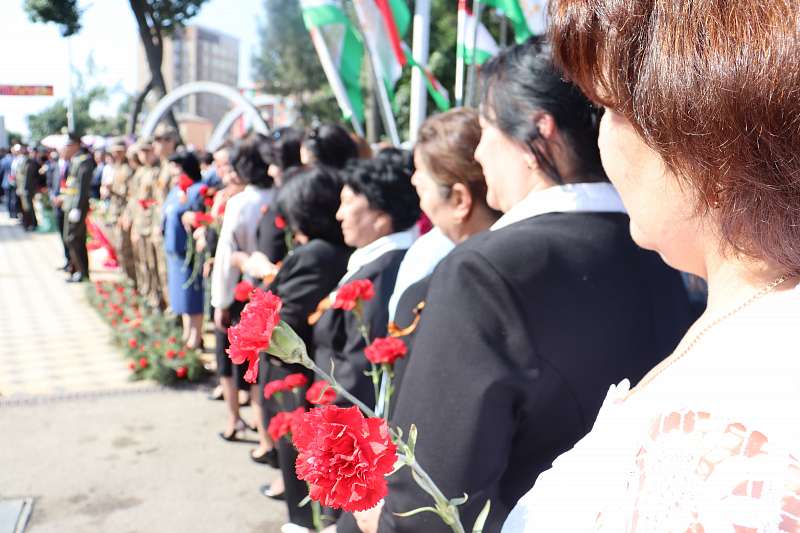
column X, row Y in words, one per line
column 350, row 294
column 181, row 372
column 119, row 288
column 283, row 423
column 242, row 291
column 321, row 393
column 184, row 182
column 181, row 354
column 172, row 340
column 344, row 457
column 133, row 343
column 208, row 202
column 203, row 189
column 171, row 354
column 273, row 387
column 294, row 381
column 280, row 222
column 253, row 332
column 146, row 204
column 132, row 365
column 143, row 362
column 202, row 219
column 385, row 350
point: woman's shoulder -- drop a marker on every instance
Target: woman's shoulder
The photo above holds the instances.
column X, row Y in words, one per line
column 321, row 251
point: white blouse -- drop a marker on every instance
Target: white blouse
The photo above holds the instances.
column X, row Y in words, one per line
column 712, row 444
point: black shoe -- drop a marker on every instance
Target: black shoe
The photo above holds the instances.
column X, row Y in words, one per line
column 269, row 458
column 266, row 490
column 64, row 267
column 230, row 437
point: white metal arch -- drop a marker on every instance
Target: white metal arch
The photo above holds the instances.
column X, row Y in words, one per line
column 227, row 120
column 195, row 87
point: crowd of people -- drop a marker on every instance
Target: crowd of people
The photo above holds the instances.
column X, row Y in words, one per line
column 529, row 256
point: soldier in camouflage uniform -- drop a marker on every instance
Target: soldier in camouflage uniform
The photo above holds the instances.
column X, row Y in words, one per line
column 142, row 214
column 74, row 201
column 164, row 143
column 119, row 193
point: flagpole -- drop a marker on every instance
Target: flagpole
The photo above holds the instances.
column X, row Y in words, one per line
column 419, row 90
column 335, row 81
column 383, row 95
column 477, row 7
column 460, row 35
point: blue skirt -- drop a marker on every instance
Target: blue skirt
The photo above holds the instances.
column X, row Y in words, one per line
column 187, row 301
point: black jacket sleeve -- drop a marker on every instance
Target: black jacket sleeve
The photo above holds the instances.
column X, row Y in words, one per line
column 84, row 176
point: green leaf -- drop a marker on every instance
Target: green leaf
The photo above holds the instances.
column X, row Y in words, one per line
column 412, row 439
column 459, row 501
column 305, row 501
column 418, row 511
column 481, row 520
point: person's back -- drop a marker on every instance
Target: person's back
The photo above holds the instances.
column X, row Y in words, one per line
column 543, row 329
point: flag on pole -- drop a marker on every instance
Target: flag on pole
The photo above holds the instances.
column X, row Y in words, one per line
column 485, row 45
column 437, row 91
column 385, row 23
column 340, row 51
column 528, row 17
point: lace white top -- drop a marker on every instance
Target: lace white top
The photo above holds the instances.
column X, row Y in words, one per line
column 711, row 445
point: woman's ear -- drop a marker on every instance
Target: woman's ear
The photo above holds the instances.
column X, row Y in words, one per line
column 383, row 224
column 460, row 201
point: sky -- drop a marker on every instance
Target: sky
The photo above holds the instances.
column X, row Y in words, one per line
column 36, row 54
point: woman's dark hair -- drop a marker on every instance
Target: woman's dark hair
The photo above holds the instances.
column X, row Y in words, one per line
column 712, row 88
column 249, row 163
column 309, row 200
column 385, row 181
column 207, row 159
column 521, row 83
column 285, row 148
column 331, row 145
column 188, row 163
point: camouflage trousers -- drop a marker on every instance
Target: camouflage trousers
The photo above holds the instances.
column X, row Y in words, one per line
column 148, row 281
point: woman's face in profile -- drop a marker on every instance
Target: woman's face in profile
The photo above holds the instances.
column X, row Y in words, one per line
column 662, row 210
column 505, row 167
column 431, row 201
column 361, row 224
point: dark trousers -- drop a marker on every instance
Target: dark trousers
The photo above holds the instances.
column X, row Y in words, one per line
column 296, row 490
column 28, row 214
column 12, row 202
column 60, row 224
column 75, row 239
column 225, row 367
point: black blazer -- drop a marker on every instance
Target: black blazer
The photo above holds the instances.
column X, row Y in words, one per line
column 524, row 330
column 271, row 240
column 338, row 339
column 407, row 318
column 307, row 276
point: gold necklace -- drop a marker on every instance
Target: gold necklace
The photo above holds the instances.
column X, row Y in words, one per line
column 669, row 361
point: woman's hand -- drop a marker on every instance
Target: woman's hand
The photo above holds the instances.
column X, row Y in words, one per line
column 222, row 319
column 368, row 520
column 259, row 266
column 188, row 220
column 238, row 259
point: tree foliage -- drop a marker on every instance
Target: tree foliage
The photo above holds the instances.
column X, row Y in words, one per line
column 155, row 18
column 286, row 62
column 64, row 13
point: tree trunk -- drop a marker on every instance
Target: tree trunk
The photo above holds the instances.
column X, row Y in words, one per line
column 150, row 34
column 137, row 107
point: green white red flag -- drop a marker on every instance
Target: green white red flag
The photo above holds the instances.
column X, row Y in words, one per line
column 485, row 45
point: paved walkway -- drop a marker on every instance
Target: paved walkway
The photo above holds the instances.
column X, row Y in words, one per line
column 50, row 341
column 95, row 451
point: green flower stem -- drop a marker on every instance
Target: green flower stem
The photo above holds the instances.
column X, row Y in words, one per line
column 386, row 389
column 316, row 514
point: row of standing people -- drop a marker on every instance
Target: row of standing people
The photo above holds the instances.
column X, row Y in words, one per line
column 527, row 299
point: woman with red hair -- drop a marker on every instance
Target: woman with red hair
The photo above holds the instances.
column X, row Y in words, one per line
column 700, row 137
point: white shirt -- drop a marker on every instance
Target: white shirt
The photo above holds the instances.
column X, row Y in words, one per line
column 711, row 444
column 570, row 198
column 419, row 261
column 401, row 240
column 238, row 234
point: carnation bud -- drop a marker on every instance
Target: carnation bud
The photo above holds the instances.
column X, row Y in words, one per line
column 286, row 345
